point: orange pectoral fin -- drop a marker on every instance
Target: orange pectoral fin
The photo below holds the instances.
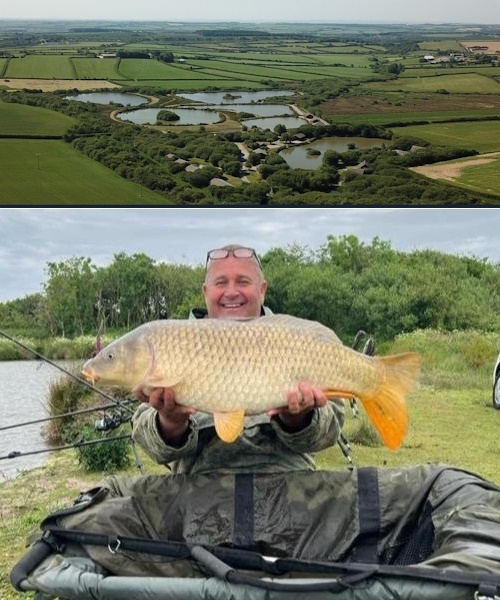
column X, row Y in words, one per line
column 229, row 425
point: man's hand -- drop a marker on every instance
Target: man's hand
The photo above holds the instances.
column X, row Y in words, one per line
column 298, row 413
column 173, row 419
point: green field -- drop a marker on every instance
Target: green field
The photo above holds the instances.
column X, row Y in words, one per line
column 41, row 67
column 482, row 136
column 386, row 118
column 96, row 68
column 21, row 119
column 52, row 172
column 475, row 176
column 482, row 177
column 195, row 85
column 143, row 68
column 254, row 67
column 441, row 45
column 462, row 83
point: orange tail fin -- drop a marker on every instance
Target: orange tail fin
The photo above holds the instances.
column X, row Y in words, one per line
column 387, row 407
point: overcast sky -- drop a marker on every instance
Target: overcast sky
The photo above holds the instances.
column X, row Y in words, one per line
column 29, row 238
column 454, row 11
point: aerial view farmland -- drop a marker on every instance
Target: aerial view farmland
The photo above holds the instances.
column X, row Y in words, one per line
column 251, row 114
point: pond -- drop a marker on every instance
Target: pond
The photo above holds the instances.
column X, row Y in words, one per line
column 238, row 97
column 23, row 397
column 108, row 97
column 271, row 122
column 188, row 116
column 261, row 110
column 298, row 158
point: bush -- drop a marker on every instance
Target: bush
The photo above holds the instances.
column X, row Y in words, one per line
column 65, row 396
column 106, row 456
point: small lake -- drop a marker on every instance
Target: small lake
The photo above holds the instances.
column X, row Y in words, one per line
column 108, row 97
column 188, row 116
column 298, row 158
column 260, row 110
column 271, row 122
column 242, row 97
column 23, row 397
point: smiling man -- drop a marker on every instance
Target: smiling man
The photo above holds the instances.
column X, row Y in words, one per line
column 234, row 283
column 280, row 440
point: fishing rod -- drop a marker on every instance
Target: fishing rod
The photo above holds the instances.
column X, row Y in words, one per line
column 115, row 401
column 138, row 461
column 103, row 425
column 63, row 415
column 18, row 454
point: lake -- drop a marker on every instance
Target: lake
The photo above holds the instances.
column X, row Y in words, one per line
column 261, row 110
column 298, row 158
column 23, row 397
column 271, row 122
column 108, row 97
column 188, row 116
column 242, row 97
column 200, row 115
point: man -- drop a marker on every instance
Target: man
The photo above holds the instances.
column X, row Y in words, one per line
column 280, row 440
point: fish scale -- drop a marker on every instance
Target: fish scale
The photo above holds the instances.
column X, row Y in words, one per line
column 235, row 367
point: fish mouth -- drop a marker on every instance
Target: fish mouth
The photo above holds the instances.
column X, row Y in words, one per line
column 90, row 375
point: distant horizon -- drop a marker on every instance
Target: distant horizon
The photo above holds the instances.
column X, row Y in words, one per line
column 458, row 12
column 257, row 21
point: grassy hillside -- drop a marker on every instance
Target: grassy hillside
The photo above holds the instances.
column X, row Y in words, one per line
column 481, row 136
column 52, row 172
column 21, row 119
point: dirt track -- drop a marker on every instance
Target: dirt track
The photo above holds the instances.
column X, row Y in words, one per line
column 49, row 85
column 452, row 171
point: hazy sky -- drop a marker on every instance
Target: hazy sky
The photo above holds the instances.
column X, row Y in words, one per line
column 29, row 238
column 456, row 11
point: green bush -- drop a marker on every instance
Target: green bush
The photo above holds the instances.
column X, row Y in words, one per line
column 106, row 456
column 8, row 351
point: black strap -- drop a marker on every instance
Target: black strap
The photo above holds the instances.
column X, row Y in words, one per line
column 243, row 510
column 365, row 546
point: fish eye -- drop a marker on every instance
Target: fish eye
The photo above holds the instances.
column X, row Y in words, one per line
column 110, row 355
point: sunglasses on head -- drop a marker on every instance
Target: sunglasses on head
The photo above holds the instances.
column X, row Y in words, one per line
column 240, row 252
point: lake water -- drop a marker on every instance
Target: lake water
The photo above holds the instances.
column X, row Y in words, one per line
column 261, row 110
column 271, row 122
column 243, row 97
column 108, row 97
column 23, row 397
column 298, row 158
column 188, row 116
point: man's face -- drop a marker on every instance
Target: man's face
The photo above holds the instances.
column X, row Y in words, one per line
column 234, row 287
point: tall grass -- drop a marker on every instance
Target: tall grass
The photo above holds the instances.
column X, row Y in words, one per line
column 57, row 348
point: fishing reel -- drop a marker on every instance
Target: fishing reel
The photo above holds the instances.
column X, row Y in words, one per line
column 111, row 420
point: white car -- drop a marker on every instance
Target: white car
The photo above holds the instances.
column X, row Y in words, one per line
column 496, row 383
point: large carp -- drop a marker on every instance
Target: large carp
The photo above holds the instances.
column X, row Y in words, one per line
column 235, row 367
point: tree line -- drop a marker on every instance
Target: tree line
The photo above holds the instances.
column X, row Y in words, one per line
column 346, row 284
